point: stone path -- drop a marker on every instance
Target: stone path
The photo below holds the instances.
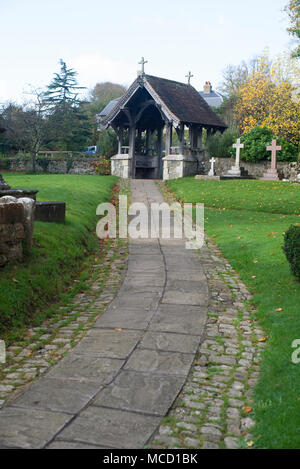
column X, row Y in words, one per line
column 214, row 408
column 113, row 388
column 171, row 363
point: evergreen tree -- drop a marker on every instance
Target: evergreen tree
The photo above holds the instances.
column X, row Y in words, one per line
column 69, row 127
column 63, row 89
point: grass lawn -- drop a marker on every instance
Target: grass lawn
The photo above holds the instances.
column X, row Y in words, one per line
column 59, row 250
column 247, row 219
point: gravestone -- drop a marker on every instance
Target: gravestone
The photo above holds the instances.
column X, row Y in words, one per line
column 272, row 173
column 235, row 170
column 212, row 168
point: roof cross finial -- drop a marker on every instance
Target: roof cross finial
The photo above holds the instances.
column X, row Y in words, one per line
column 189, row 76
column 143, row 62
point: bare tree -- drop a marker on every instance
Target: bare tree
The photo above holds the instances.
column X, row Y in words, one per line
column 35, row 124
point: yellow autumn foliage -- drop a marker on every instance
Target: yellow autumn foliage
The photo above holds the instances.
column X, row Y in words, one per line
column 266, row 98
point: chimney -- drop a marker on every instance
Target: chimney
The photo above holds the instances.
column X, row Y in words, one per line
column 207, row 87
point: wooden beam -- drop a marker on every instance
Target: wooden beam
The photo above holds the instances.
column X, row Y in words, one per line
column 168, row 138
column 120, row 139
column 159, row 151
column 148, row 135
column 132, row 132
column 128, row 115
column 146, row 104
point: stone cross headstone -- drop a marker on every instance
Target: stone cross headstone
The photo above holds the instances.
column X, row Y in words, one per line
column 274, row 148
column 235, row 170
column 212, row 167
column 238, row 146
column 272, row 173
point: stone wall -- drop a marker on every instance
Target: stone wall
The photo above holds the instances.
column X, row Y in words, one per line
column 286, row 170
column 121, row 166
column 16, row 228
column 12, row 232
column 51, row 165
column 178, row 166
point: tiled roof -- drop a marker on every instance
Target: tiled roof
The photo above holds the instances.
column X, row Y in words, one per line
column 108, row 107
column 181, row 101
column 184, row 101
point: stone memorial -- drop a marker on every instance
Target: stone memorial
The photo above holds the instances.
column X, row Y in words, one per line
column 211, row 173
column 212, row 168
column 272, row 173
column 235, row 170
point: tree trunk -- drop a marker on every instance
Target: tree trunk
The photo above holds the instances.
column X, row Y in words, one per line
column 33, row 162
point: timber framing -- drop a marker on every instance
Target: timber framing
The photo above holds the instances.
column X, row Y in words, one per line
column 150, row 105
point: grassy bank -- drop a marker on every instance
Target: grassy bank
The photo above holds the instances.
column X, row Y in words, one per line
column 59, row 250
column 247, row 219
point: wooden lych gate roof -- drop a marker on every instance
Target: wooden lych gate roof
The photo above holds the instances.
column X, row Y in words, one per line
column 179, row 103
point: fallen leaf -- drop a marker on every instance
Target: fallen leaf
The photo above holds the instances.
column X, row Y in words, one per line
column 250, row 444
column 263, row 340
column 248, row 409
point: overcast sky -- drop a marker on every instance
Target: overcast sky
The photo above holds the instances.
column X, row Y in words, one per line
column 104, row 40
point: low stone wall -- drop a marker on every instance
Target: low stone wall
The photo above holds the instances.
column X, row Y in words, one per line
column 178, row 166
column 12, row 232
column 16, row 228
column 121, row 166
column 50, row 212
column 51, row 165
column 286, row 170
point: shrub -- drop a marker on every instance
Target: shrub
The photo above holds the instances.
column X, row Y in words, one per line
column 108, row 143
column 103, row 167
column 256, row 141
column 44, row 163
column 291, row 249
column 220, row 143
column 4, row 164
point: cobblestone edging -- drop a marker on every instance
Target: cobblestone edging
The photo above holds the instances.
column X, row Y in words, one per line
column 214, row 408
column 45, row 345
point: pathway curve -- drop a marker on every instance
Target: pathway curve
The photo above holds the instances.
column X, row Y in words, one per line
column 113, row 389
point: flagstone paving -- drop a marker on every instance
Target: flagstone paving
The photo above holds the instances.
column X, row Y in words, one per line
column 176, row 342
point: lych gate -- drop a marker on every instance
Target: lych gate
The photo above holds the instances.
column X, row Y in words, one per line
column 147, row 114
